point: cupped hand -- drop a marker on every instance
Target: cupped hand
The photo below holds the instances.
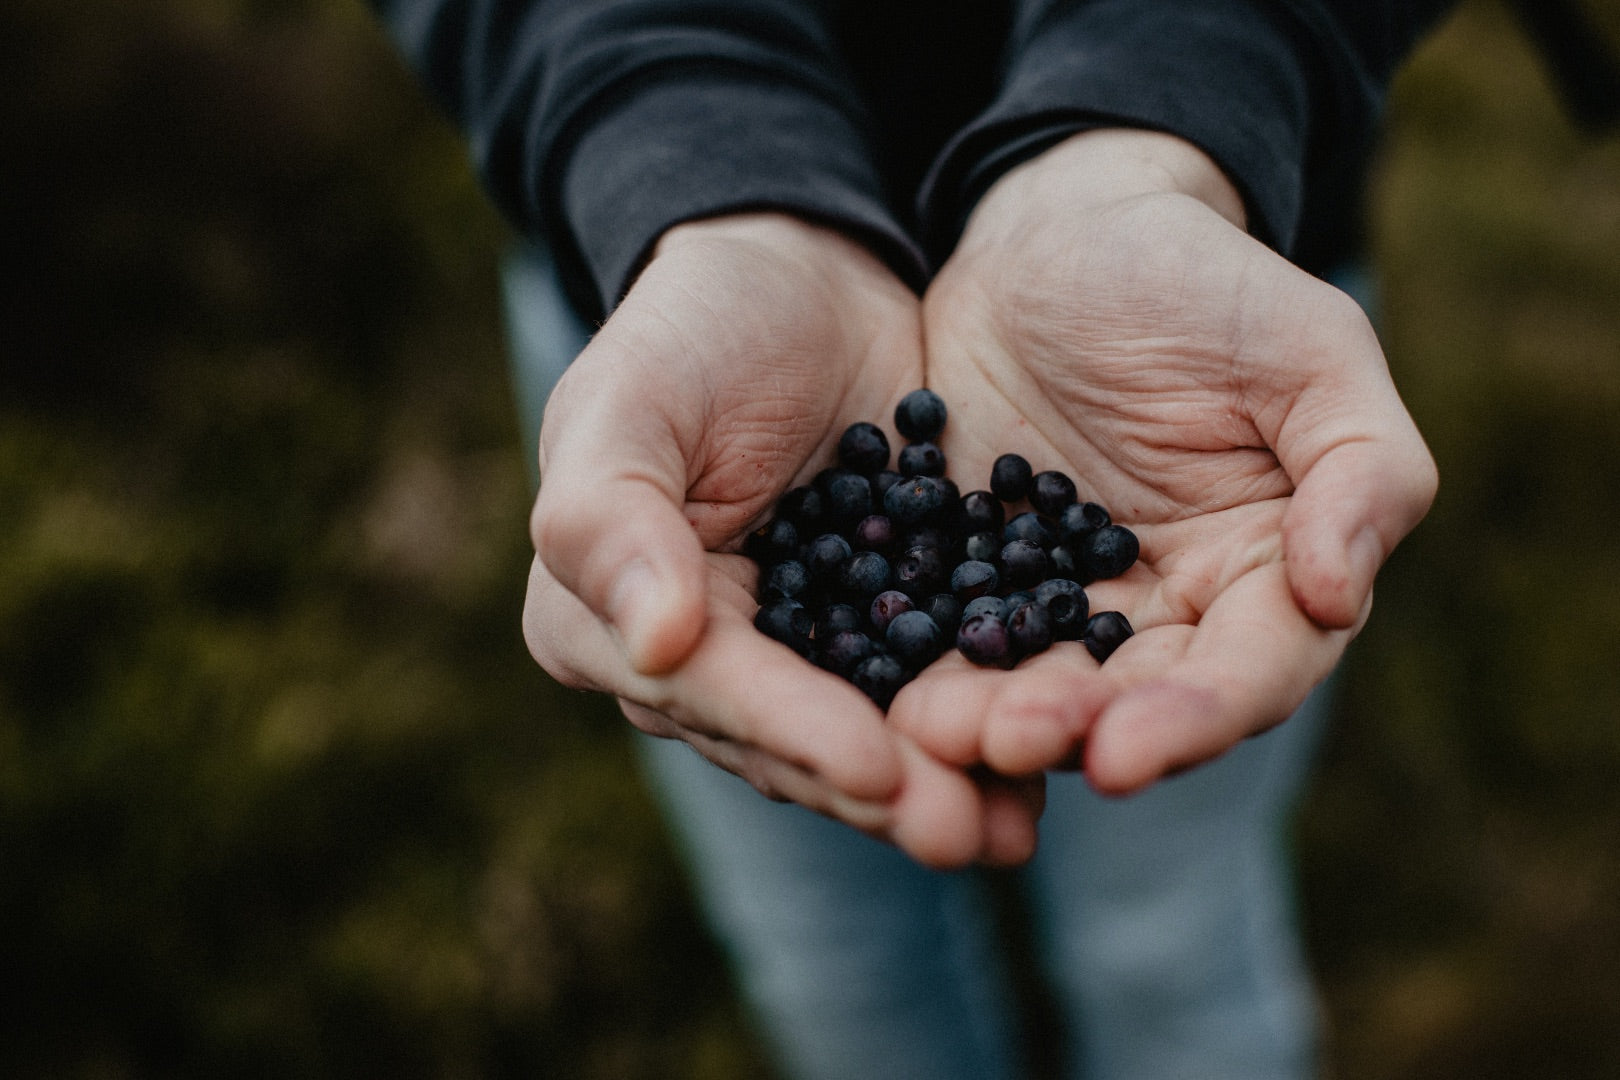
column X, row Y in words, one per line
column 1106, row 314
column 745, row 348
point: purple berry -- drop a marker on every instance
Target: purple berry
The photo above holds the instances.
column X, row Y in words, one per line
column 1029, row 628
column 874, row 532
column 846, row 649
column 885, row 606
column 984, row 641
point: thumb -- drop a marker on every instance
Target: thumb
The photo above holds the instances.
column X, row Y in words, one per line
column 609, row 525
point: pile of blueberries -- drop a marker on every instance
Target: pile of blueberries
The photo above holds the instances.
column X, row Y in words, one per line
column 873, row 572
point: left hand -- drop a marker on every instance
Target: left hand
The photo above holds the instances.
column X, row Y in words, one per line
column 1106, row 314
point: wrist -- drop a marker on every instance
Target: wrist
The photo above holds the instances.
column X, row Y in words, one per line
column 1108, row 165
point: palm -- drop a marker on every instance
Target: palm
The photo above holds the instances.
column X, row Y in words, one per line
column 1175, row 370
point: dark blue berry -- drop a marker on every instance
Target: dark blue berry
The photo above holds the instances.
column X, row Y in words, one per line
column 1010, row 477
column 983, row 640
column 845, row 649
column 786, row 580
column 1029, row 628
column 1065, row 565
column 863, row 448
column 885, row 606
column 787, row 621
column 985, row 605
column 913, row 500
column 944, row 609
column 1106, row 632
column 882, row 481
column 973, row 579
column 915, row 638
column 1079, row 520
column 837, row 617
column 848, row 495
column 803, row 506
column 921, row 571
column 772, row 542
column 825, row 555
column 1110, row 551
column 866, row 573
column 1036, row 528
column 920, row 416
column 982, row 512
column 927, row 536
column 880, row 677
column 1050, row 492
column 921, row 459
column 1014, row 599
column 1023, row 564
column 1067, row 604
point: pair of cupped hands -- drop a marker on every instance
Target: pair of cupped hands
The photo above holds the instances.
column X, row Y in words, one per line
column 1104, row 313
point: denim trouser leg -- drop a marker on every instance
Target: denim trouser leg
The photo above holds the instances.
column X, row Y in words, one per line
column 1165, row 920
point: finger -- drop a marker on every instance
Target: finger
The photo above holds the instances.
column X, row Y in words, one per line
column 1363, row 477
column 1349, row 511
column 737, row 688
column 609, row 527
column 1012, row 811
column 1189, row 693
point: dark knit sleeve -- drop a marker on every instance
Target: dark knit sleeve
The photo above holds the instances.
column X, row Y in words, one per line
column 599, row 124
column 1283, row 94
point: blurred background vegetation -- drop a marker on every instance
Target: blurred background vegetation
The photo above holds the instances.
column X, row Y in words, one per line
column 281, row 793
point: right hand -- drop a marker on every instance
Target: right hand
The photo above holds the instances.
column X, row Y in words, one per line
column 744, row 349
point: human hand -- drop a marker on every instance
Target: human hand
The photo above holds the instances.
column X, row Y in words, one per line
column 1106, row 314
column 745, row 348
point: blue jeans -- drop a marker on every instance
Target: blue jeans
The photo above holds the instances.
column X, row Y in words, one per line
column 1164, row 922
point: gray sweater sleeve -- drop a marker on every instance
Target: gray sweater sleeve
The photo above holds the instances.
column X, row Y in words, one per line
column 1284, row 94
column 598, row 124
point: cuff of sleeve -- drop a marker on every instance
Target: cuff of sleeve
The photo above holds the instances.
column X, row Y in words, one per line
column 1219, row 74
column 709, row 143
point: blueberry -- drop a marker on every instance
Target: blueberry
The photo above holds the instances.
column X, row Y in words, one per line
column 913, row 500
column 880, row 677
column 882, row 481
column 1050, row 492
column 874, row 532
column 786, row 580
column 1014, row 599
column 787, row 621
column 886, row 605
column 982, row 512
column 945, row 609
column 838, row 617
column 845, row 649
column 1110, row 551
column 983, row 640
column 920, row 416
column 1010, row 477
column 921, row 571
column 848, row 495
column 1036, row 528
column 865, row 573
column 1067, row 604
column 915, row 638
column 983, row 546
column 922, row 459
column 973, row 579
column 824, row 555
column 1023, row 564
column 863, row 448
column 1079, row 520
column 772, row 542
column 1029, row 628
column 985, row 605
column 1106, row 632
column 931, row 536
column 803, row 506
